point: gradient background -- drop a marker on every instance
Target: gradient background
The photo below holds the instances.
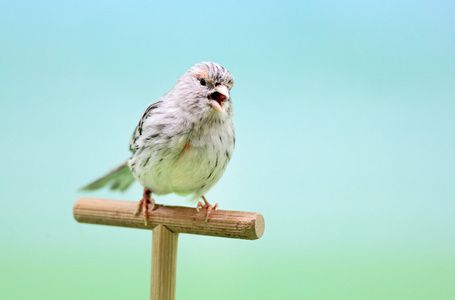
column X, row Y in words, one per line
column 345, row 117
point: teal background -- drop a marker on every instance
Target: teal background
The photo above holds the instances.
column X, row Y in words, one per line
column 345, row 119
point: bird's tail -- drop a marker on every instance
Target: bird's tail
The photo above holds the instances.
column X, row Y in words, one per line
column 119, row 179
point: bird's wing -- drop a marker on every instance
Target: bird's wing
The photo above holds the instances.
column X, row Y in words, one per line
column 119, row 178
column 138, row 131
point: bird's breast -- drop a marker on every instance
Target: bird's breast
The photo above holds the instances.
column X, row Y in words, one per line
column 191, row 166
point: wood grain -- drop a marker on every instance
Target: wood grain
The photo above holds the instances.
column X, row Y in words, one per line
column 222, row 223
column 164, row 264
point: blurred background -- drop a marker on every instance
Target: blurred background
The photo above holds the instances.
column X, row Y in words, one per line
column 345, row 118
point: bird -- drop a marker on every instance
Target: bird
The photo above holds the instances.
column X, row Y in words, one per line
column 182, row 143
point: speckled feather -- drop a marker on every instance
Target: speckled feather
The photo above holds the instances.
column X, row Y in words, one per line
column 182, row 144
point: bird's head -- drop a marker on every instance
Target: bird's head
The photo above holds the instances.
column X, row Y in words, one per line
column 205, row 88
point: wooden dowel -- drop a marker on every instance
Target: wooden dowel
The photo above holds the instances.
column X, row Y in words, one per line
column 164, row 264
column 222, row 223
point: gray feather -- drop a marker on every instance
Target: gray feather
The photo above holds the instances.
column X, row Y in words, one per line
column 182, row 143
column 119, row 179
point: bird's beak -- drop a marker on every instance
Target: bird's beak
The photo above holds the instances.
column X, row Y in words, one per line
column 222, row 89
column 218, row 97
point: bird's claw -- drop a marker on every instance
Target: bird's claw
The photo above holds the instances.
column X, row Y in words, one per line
column 144, row 204
column 207, row 206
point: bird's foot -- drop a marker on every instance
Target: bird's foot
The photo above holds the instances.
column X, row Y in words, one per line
column 144, row 204
column 207, row 206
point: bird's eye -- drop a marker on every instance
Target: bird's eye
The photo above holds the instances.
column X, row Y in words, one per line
column 202, row 80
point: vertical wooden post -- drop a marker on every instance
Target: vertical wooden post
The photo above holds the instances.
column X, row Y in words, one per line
column 164, row 263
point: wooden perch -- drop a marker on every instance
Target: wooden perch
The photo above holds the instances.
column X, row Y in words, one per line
column 222, row 223
column 167, row 222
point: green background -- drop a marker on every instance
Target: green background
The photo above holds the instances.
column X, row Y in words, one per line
column 345, row 118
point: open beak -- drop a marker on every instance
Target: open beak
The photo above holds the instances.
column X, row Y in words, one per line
column 218, row 97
